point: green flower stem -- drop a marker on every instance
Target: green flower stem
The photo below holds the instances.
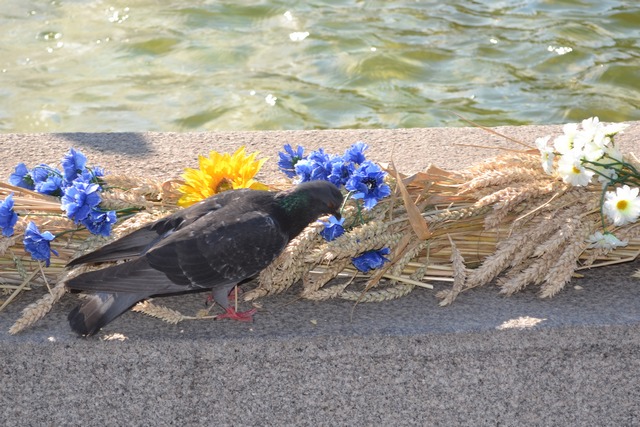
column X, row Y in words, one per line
column 125, row 211
column 344, row 202
column 625, row 172
column 602, row 196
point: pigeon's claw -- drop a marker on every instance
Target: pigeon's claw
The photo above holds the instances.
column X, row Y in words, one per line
column 242, row 316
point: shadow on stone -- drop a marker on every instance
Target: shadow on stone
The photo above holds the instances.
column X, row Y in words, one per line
column 134, row 144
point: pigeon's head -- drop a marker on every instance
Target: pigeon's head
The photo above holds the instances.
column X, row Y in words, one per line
column 306, row 202
column 325, row 197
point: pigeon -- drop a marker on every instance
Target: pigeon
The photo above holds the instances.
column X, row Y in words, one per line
column 214, row 244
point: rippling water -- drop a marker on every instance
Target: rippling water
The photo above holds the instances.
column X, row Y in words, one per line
column 89, row 65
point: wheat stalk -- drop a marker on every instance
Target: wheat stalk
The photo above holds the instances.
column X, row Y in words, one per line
column 459, row 275
column 160, row 312
column 37, row 310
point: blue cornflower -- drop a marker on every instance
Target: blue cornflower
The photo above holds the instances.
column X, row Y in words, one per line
column 303, row 169
column 38, row 244
column 367, row 183
column 341, row 171
column 99, row 222
column 73, row 163
column 51, row 185
column 371, row 260
column 317, row 166
column 95, row 173
column 321, row 165
column 90, row 175
column 355, row 153
column 289, row 158
column 47, row 180
column 41, row 172
column 332, row 229
column 21, row 177
column 79, row 199
column 8, row 217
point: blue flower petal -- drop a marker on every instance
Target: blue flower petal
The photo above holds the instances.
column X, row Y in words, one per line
column 332, row 229
column 289, row 159
column 79, row 199
column 367, row 183
column 371, row 260
column 38, row 244
column 8, row 217
column 341, row 171
column 73, row 164
column 320, row 163
column 303, row 170
column 51, row 185
column 21, row 177
column 42, row 172
column 99, row 222
column 355, row 153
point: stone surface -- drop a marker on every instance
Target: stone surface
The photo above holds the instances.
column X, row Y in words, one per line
column 486, row 360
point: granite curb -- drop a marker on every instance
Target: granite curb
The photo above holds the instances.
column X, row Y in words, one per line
column 401, row 362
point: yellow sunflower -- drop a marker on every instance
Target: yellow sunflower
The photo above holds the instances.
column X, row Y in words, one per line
column 220, row 172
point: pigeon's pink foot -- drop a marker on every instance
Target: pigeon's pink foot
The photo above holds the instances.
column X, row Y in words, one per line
column 242, row 316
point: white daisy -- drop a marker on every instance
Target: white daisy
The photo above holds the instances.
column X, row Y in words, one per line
column 614, row 128
column 591, row 124
column 546, row 154
column 594, row 150
column 622, row 206
column 564, row 143
column 572, row 171
column 605, row 241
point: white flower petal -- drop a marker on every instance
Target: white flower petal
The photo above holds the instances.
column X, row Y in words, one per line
column 546, row 154
column 605, row 241
column 614, row 128
column 622, row 206
column 572, row 171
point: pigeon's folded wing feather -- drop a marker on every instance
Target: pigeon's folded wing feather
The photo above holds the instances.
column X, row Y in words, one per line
column 139, row 241
column 133, row 276
column 205, row 254
column 218, row 250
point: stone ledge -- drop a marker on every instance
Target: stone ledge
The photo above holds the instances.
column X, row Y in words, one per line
column 404, row 362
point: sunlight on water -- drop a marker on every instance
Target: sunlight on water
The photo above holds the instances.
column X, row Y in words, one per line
column 221, row 65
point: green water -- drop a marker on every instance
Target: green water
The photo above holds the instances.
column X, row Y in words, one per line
column 150, row 65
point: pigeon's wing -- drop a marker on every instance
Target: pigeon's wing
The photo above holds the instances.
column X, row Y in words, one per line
column 135, row 276
column 208, row 253
column 219, row 249
column 139, row 241
column 129, row 246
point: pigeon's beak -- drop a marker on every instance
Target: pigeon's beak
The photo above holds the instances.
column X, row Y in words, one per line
column 335, row 210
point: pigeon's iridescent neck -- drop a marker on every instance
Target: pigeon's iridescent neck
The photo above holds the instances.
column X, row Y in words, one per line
column 295, row 202
column 298, row 213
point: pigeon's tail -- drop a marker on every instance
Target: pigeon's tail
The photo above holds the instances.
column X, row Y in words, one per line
column 100, row 309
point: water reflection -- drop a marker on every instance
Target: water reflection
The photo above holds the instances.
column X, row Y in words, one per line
column 207, row 65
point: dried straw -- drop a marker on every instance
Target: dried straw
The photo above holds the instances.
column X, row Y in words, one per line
column 502, row 219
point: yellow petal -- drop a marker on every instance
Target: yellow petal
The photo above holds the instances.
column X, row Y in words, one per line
column 218, row 172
